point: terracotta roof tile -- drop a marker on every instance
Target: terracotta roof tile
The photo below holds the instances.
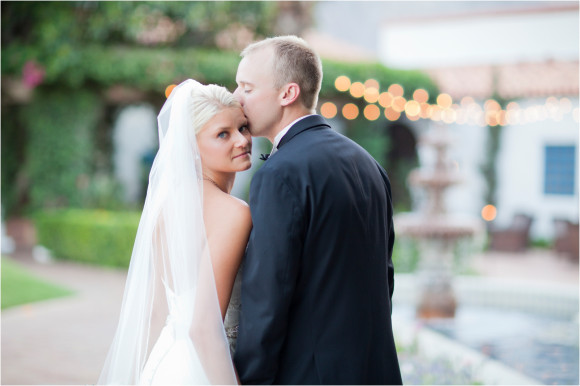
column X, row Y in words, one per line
column 513, row 80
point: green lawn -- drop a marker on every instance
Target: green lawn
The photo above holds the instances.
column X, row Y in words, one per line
column 21, row 287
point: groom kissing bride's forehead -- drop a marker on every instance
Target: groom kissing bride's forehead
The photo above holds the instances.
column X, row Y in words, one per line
column 317, row 276
column 312, row 303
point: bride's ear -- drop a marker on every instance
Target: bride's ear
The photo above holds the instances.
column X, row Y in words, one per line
column 289, row 94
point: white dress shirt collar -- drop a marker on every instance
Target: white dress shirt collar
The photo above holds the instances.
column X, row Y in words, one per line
column 283, row 132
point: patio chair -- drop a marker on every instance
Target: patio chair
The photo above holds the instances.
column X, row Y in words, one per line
column 514, row 238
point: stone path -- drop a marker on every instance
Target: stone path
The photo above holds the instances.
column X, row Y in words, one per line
column 65, row 340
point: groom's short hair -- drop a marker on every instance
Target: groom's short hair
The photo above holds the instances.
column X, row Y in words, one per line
column 294, row 61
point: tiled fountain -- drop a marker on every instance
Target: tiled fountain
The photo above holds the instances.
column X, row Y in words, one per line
column 436, row 230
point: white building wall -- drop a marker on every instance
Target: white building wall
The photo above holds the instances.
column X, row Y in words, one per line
column 477, row 39
column 521, row 168
column 467, row 153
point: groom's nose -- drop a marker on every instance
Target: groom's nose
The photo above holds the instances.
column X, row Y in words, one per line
column 238, row 95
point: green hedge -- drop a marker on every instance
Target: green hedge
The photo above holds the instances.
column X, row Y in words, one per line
column 92, row 236
column 153, row 69
column 60, row 127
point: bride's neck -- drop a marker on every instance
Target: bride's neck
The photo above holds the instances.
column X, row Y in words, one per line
column 222, row 181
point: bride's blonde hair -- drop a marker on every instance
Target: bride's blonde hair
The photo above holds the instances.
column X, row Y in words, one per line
column 207, row 101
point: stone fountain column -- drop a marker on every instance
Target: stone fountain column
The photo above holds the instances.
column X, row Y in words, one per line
column 435, row 230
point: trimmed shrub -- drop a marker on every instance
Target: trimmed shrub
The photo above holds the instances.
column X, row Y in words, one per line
column 59, row 151
column 92, row 236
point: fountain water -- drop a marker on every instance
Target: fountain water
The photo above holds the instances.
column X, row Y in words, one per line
column 435, row 230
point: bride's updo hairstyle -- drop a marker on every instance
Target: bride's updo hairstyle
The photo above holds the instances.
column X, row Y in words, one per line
column 207, row 101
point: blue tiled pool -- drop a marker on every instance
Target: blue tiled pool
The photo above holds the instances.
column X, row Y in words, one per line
column 542, row 347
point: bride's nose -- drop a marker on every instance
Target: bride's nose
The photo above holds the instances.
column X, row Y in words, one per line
column 241, row 140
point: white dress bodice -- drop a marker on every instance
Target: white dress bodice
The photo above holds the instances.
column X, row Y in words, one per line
column 173, row 359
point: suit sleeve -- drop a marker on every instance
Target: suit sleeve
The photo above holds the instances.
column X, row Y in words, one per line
column 390, row 235
column 268, row 277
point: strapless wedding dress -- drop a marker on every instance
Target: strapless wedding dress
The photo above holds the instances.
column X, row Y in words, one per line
column 232, row 319
column 173, row 359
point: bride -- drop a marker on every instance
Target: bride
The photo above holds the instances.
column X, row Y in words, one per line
column 189, row 246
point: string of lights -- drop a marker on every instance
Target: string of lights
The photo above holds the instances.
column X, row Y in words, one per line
column 465, row 111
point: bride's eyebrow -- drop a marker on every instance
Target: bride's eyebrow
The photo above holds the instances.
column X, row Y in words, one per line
column 222, row 128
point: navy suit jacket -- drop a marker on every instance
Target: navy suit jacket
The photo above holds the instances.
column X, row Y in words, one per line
column 317, row 279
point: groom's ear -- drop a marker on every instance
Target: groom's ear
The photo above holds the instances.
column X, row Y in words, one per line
column 290, row 93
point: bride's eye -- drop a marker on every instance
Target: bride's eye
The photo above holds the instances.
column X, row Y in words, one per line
column 243, row 128
column 222, row 135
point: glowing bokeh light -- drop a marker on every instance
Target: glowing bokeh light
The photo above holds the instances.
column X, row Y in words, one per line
column 511, row 117
column 357, row 89
column 342, row 83
column 391, row 114
column 565, row 105
column 371, row 94
column 412, row 108
column 531, row 114
column 399, row 104
column 328, row 110
column 492, row 105
column 448, row 115
column 435, row 113
column 372, row 83
column 350, row 111
column 396, row 90
column 488, row 212
column 372, row 112
column 169, row 89
column 426, row 109
column 444, row 100
column 501, row 118
column 461, row 116
column 478, row 118
column 466, row 101
column 386, row 99
column 491, row 118
column 421, row 95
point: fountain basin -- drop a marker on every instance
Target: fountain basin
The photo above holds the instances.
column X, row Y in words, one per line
column 509, row 331
column 442, row 226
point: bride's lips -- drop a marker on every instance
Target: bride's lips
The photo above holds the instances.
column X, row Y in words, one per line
column 248, row 153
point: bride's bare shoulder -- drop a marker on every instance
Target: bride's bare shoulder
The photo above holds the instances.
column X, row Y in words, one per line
column 233, row 206
column 227, row 211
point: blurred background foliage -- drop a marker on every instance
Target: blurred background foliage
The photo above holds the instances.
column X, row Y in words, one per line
column 69, row 68
column 97, row 236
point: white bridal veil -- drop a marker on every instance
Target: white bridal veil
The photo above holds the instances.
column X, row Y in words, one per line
column 170, row 284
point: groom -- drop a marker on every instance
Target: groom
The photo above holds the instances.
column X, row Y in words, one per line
column 318, row 278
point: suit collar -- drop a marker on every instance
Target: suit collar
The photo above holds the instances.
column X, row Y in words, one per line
column 302, row 125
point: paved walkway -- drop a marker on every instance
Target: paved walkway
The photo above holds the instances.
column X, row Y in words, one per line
column 65, row 340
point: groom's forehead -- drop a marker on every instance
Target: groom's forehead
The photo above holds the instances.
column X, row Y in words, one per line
column 252, row 74
column 258, row 60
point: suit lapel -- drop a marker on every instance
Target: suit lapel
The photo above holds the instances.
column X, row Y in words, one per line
column 303, row 125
